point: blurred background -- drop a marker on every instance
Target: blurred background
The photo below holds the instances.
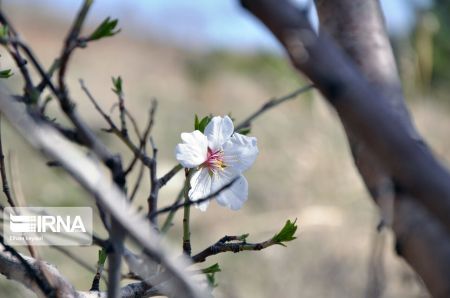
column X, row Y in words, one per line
column 212, row 57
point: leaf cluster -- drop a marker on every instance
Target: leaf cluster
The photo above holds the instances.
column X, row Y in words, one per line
column 286, row 234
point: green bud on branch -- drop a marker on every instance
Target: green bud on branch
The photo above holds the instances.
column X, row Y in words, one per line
column 106, row 29
column 286, row 234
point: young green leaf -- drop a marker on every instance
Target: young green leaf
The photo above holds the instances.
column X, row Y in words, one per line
column 212, row 269
column 4, row 31
column 286, row 234
column 203, row 123
column 102, row 256
column 106, row 29
column 196, row 122
column 244, row 131
column 4, row 74
column 117, row 85
column 210, row 277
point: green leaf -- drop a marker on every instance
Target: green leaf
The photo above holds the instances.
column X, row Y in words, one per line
column 203, row 123
column 4, row 31
column 4, row 74
column 196, row 122
column 212, row 269
column 244, row 131
column 286, row 234
column 117, row 83
column 102, row 256
column 106, row 29
column 210, row 277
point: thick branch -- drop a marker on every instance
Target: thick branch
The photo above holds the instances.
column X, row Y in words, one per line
column 420, row 237
column 375, row 118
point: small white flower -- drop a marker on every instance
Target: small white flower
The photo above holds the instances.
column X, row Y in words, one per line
column 221, row 156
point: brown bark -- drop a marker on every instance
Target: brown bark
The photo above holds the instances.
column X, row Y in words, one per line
column 357, row 74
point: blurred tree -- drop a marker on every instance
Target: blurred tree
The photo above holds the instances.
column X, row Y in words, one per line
column 441, row 50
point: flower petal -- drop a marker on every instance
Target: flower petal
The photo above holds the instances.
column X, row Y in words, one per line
column 240, row 152
column 200, row 187
column 193, row 151
column 234, row 196
column 218, row 131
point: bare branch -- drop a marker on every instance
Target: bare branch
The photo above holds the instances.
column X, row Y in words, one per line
column 271, row 104
column 231, row 244
column 136, row 151
column 174, row 207
column 167, row 177
column 6, row 190
column 373, row 113
column 14, row 269
column 30, row 273
column 92, row 179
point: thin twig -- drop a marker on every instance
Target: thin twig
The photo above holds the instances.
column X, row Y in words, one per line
column 16, row 55
column 164, row 179
column 6, row 189
column 190, row 202
column 123, row 122
column 137, row 183
column 144, row 137
column 113, row 128
column 187, row 249
column 69, row 45
column 272, row 103
column 226, row 244
column 154, row 187
column 168, row 222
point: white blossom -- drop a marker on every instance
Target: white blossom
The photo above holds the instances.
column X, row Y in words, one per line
column 219, row 156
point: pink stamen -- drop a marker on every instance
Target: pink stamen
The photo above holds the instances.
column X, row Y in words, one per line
column 214, row 160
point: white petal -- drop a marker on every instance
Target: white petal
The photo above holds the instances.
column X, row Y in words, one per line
column 193, row 151
column 200, row 187
column 240, row 152
column 234, row 196
column 218, row 131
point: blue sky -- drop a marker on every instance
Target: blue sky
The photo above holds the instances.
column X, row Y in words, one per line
column 210, row 23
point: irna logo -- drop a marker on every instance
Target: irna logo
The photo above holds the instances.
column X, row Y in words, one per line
column 48, row 225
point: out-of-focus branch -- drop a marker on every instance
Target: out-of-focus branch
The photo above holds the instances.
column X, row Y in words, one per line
column 169, row 175
column 177, row 205
column 271, row 104
column 29, row 275
column 14, row 269
column 419, row 235
column 113, row 128
column 375, row 118
column 6, row 189
column 109, row 197
column 359, row 105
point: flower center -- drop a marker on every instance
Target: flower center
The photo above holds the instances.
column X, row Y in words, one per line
column 214, row 160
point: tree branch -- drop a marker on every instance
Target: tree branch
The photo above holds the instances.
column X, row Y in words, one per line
column 271, row 104
column 231, row 244
column 372, row 116
column 93, row 180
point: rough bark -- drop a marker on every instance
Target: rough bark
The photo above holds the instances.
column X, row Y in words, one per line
column 356, row 72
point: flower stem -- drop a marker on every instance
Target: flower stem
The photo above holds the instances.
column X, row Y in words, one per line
column 168, row 222
column 186, row 216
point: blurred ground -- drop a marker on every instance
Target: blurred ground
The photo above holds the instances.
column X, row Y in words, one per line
column 304, row 170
